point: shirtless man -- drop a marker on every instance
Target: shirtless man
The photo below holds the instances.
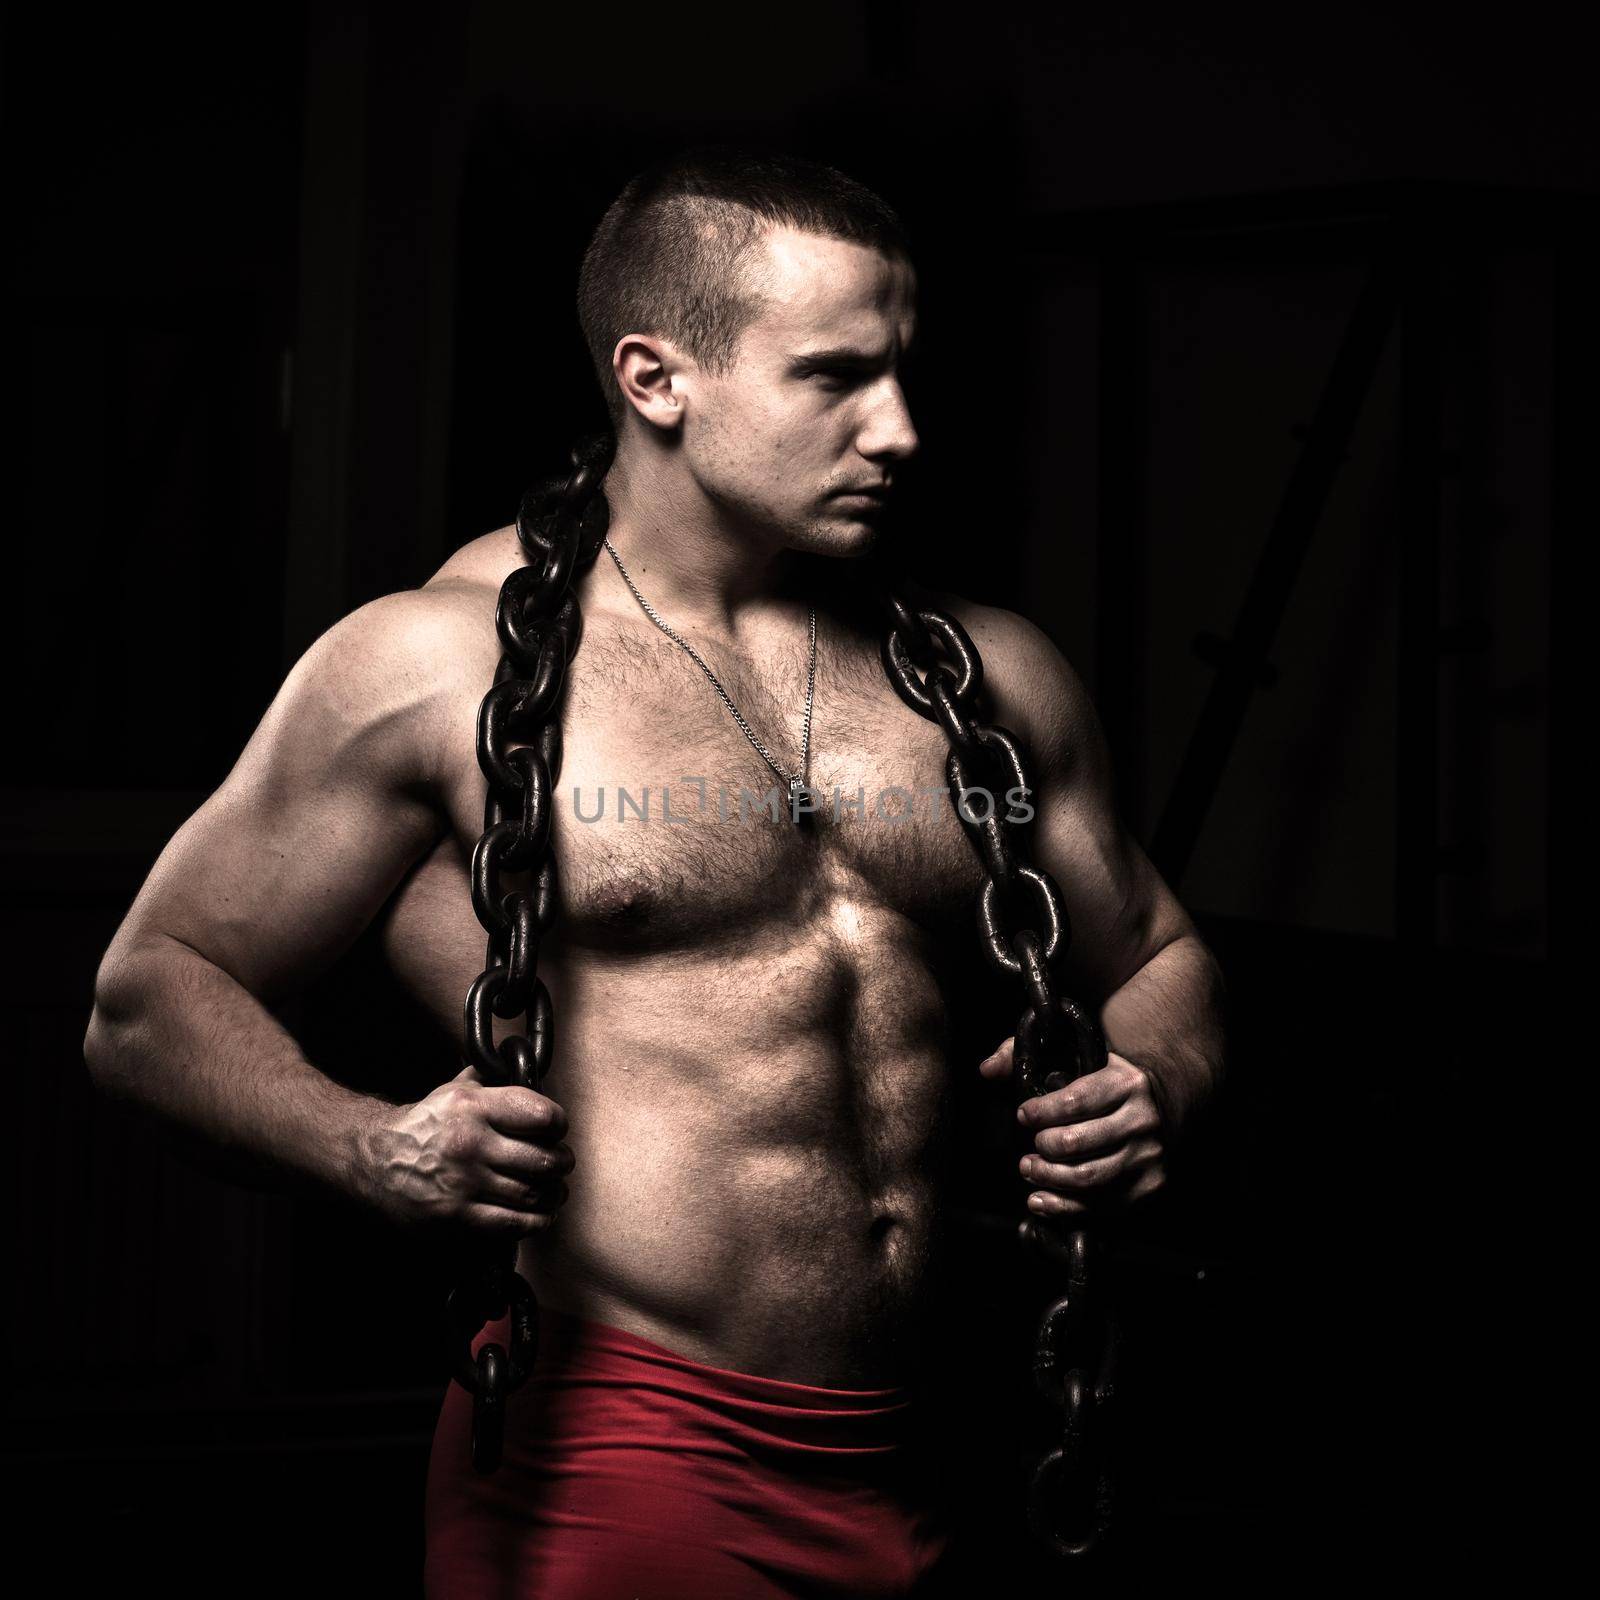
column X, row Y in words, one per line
column 731, row 1180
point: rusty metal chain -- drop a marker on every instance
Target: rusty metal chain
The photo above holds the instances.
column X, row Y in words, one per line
column 560, row 526
column 935, row 668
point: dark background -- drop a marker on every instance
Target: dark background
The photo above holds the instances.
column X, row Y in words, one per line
column 1258, row 372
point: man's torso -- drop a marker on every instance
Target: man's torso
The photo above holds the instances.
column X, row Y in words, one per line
column 750, row 1022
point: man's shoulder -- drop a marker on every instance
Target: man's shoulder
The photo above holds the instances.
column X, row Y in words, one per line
column 480, row 564
column 1031, row 685
column 390, row 676
column 447, row 621
column 1008, row 631
column 409, row 636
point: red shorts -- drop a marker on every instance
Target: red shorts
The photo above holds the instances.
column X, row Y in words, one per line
column 633, row 1473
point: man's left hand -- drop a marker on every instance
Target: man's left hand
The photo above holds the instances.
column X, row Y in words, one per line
column 1097, row 1143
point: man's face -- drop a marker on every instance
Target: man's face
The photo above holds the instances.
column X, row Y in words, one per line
column 811, row 408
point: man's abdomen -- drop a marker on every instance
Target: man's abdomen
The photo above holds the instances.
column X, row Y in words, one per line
column 757, row 1147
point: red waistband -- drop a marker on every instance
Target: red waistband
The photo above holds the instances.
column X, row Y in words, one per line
column 595, row 1384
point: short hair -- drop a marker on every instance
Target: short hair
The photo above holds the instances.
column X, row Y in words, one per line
column 667, row 257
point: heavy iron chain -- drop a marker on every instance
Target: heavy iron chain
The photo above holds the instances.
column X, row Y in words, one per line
column 936, row 669
column 560, row 526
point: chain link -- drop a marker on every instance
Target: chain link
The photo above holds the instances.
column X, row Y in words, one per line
column 560, row 526
column 1025, row 931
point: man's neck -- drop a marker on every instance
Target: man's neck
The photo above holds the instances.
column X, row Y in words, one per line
column 698, row 568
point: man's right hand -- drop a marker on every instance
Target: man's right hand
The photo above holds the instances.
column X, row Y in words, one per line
column 473, row 1156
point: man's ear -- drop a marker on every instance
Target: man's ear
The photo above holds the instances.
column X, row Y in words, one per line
column 649, row 373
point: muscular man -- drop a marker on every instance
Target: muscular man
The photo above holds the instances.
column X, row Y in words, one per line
column 727, row 1193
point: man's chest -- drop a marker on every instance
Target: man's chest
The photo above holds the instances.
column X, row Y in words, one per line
column 669, row 827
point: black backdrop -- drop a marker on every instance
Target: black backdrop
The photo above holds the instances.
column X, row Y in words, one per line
column 289, row 318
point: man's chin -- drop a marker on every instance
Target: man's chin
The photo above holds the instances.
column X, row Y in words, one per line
column 846, row 535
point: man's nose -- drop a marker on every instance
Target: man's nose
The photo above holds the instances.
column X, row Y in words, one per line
column 889, row 434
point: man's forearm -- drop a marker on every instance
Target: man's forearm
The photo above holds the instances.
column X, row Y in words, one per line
column 177, row 1036
column 1168, row 1019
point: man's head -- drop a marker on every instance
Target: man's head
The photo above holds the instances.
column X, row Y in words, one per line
column 747, row 315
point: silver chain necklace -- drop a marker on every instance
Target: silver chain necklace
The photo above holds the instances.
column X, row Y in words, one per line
column 797, row 783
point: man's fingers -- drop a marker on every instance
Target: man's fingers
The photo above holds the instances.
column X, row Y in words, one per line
column 1093, row 1095
column 517, row 1158
column 1080, row 1176
column 517, row 1194
column 1000, row 1062
column 1148, row 1182
column 1111, row 1178
column 524, row 1112
column 501, row 1220
column 1078, row 1141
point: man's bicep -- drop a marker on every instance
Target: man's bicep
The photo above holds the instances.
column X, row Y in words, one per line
column 326, row 809
column 1121, row 910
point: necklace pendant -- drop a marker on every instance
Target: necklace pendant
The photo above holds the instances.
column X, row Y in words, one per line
column 796, row 789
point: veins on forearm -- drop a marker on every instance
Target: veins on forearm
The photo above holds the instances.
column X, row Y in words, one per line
column 1168, row 1019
